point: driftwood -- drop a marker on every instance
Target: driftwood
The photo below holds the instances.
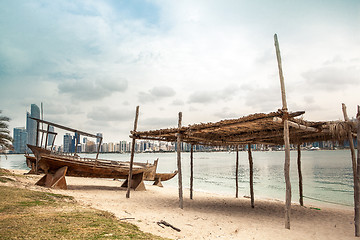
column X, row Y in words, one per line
column 354, row 167
column 128, row 218
column 300, row 176
column 286, row 138
column 237, row 171
column 251, row 167
column 191, row 171
column 132, row 154
column 181, row 205
column 162, row 222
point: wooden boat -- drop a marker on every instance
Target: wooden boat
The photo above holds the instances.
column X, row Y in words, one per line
column 56, row 166
column 88, row 167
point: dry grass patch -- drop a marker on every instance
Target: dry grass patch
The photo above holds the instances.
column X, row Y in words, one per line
column 28, row 214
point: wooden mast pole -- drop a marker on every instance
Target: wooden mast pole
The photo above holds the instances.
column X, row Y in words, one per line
column 237, row 171
column 251, row 167
column 179, row 162
column 301, row 198
column 132, row 153
column 286, row 137
column 191, row 171
column 354, row 167
column 36, row 144
column 98, row 151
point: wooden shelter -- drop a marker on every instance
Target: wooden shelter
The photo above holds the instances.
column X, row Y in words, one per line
column 276, row 128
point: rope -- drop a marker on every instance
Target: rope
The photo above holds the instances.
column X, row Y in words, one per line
column 320, row 200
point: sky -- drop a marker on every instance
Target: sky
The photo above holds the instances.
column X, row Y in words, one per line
column 92, row 62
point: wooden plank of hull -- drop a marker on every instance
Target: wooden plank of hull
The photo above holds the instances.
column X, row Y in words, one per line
column 165, row 176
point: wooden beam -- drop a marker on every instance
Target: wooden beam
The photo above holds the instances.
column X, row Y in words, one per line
column 181, row 205
column 354, row 167
column 37, row 134
column 286, row 138
column 251, row 167
column 301, row 199
column 297, row 125
column 237, row 171
column 191, row 171
column 65, row 128
column 47, row 135
column 132, row 154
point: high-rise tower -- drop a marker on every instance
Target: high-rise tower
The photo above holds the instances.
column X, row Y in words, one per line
column 31, row 124
column 20, row 139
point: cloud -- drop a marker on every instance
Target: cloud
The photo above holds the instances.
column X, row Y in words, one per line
column 205, row 97
column 92, row 90
column 226, row 113
column 105, row 114
column 331, row 78
column 178, row 102
column 264, row 99
column 156, row 93
column 156, row 123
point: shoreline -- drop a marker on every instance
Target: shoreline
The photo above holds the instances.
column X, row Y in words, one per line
column 207, row 216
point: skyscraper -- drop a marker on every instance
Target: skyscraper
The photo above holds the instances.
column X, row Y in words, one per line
column 98, row 139
column 31, row 124
column 67, row 142
column 20, row 139
column 50, row 136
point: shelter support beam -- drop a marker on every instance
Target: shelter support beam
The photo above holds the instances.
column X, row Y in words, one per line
column 301, row 198
column 297, row 125
column 286, row 137
column 251, row 167
column 132, row 154
column 181, row 205
column 237, row 172
column 191, row 170
column 354, row 167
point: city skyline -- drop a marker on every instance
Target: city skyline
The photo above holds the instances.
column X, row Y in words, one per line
column 91, row 63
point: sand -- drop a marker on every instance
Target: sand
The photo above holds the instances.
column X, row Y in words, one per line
column 207, row 216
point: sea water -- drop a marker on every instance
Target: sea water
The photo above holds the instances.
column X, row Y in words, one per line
column 327, row 175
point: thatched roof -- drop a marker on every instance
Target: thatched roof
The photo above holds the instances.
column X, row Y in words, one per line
column 256, row 128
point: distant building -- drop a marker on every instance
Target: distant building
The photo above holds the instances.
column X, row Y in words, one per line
column 98, row 139
column 67, row 143
column 20, row 140
column 31, row 124
column 50, row 136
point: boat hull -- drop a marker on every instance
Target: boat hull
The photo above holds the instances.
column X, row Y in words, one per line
column 86, row 167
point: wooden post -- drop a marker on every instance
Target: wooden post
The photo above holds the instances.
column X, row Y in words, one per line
column 251, row 176
column 237, row 171
column 132, row 153
column 191, row 171
column 42, row 126
column 53, row 142
column 37, row 133
column 357, row 218
column 286, row 138
column 98, row 151
column 179, row 163
column 354, row 167
column 47, row 135
column 300, row 176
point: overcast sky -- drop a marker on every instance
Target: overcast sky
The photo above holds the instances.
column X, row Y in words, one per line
column 92, row 62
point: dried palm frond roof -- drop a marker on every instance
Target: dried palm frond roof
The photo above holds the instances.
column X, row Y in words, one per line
column 256, row 128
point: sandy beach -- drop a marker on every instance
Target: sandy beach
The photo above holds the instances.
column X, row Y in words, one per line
column 207, row 216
